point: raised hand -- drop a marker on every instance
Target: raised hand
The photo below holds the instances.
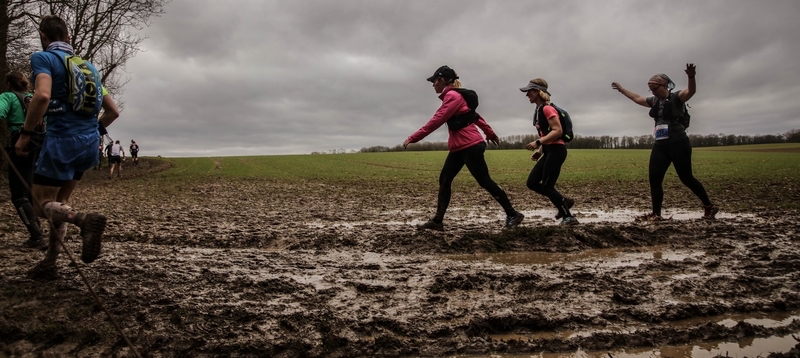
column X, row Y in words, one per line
column 691, row 70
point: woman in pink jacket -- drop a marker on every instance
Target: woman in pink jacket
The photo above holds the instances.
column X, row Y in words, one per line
column 465, row 142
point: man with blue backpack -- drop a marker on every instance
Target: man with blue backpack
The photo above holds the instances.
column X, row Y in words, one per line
column 68, row 90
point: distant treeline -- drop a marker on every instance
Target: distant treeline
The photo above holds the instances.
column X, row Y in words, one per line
column 609, row 142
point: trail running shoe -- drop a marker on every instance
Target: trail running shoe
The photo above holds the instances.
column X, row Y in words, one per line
column 431, row 225
column 570, row 203
column 92, row 235
column 711, row 211
column 651, row 217
column 513, row 221
column 32, row 243
column 569, row 220
column 44, row 270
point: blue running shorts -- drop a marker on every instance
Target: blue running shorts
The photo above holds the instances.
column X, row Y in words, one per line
column 62, row 157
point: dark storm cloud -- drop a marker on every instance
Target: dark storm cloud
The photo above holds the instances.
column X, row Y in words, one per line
column 270, row 77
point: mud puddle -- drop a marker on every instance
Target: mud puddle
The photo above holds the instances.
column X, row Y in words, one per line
column 186, row 274
column 752, row 347
column 605, row 258
column 766, row 320
column 769, row 320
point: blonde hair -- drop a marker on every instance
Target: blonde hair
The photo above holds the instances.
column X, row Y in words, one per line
column 542, row 94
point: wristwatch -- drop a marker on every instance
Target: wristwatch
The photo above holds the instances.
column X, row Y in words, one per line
column 22, row 130
column 539, row 142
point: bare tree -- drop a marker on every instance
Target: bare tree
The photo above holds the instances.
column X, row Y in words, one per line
column 16, row 34
column 106, row 32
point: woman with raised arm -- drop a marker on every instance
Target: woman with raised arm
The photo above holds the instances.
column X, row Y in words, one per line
column 465, row 142
column 672, row 146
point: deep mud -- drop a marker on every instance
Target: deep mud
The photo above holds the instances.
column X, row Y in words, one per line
column 223, row 267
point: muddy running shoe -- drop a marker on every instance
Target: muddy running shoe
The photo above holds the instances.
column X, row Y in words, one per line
column 711, row 212
column 431, row 225
column 651, row 217
column 513, row 221
column 32, row 243
column 92, row 235
column 44, row 271
column 570, row 203
column 569, row 220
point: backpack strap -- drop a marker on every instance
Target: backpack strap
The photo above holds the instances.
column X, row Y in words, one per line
column 463, row 120
column 22, row 102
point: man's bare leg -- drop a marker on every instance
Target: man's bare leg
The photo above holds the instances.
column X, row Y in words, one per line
column 92, row 225
column 46, row 269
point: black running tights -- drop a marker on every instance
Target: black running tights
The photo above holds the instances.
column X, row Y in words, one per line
column 679, row 154
column 544, row 174
column 473, row 158
column 20, row 196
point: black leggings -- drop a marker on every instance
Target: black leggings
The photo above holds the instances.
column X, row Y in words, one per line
column 20, row 196
column 680, row 155
column 544, row 174
column 475, row 162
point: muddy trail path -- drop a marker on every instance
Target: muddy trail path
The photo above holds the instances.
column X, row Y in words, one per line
column 220, row 267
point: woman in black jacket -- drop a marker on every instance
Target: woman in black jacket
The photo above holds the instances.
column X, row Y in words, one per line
column 671, row 142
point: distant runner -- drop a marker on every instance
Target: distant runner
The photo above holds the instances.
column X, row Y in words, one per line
column 465, row 142
column 116, row 159
column 134, row 152
column 99, row 155
column 108, row 153
column 672, row 146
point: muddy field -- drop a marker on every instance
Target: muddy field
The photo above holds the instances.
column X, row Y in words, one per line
column 214, row 267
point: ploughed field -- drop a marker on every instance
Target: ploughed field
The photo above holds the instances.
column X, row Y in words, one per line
column 310, row 256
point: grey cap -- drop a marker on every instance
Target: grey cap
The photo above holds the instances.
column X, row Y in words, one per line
column 532, row 85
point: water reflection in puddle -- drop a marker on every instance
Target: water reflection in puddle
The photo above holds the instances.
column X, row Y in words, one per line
column 608, row 258
column 540, row 217
column 768, row 320
column 752, row 347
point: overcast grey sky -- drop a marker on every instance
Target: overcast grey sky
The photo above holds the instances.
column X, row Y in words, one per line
column 256, row 77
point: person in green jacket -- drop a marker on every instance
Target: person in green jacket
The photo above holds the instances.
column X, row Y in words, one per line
column 13, row 114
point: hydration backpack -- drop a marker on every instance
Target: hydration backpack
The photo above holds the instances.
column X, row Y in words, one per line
column 566, row 123
column 24, row 102
column 672, row 109
column 85, row 91
column 460, row 121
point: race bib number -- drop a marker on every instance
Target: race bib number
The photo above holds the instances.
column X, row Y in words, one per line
column 661, row 132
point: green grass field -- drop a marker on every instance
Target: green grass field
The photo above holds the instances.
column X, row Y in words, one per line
column 752, row 163
column 745, row 178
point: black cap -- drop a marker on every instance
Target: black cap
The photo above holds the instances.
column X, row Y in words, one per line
column 445, row 72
